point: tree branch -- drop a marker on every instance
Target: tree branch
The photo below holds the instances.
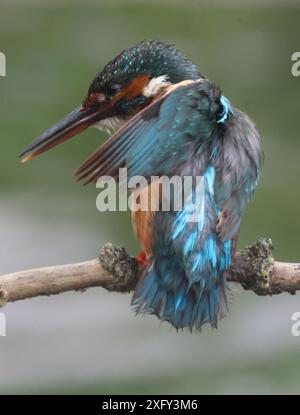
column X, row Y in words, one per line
column 254, row 268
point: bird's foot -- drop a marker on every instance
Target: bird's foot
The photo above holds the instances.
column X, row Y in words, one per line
column 124, row 267
column 142, row 258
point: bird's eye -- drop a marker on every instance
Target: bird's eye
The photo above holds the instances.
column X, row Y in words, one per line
column 113, row 89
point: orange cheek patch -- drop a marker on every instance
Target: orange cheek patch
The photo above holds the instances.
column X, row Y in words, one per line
column 132, row 90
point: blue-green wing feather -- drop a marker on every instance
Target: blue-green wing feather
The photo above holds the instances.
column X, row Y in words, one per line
column 158, row 136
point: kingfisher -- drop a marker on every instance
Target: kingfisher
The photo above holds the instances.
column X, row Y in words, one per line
column 166, row 118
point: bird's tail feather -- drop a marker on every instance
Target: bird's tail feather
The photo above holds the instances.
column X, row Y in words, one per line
column 165, row 291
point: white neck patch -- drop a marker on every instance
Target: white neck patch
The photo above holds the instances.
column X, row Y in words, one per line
column 155, row 86
column 110, row 125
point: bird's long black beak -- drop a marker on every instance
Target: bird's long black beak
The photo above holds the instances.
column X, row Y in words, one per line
column 74, row 123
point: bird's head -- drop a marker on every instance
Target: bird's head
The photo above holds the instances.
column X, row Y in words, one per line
column 124, row 87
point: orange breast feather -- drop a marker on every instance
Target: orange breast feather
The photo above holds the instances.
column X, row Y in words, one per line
column 142, row 220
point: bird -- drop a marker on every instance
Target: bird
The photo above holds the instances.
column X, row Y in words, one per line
column 166, row 118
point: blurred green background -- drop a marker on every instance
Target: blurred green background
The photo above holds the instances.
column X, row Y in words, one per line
column 92, row 342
